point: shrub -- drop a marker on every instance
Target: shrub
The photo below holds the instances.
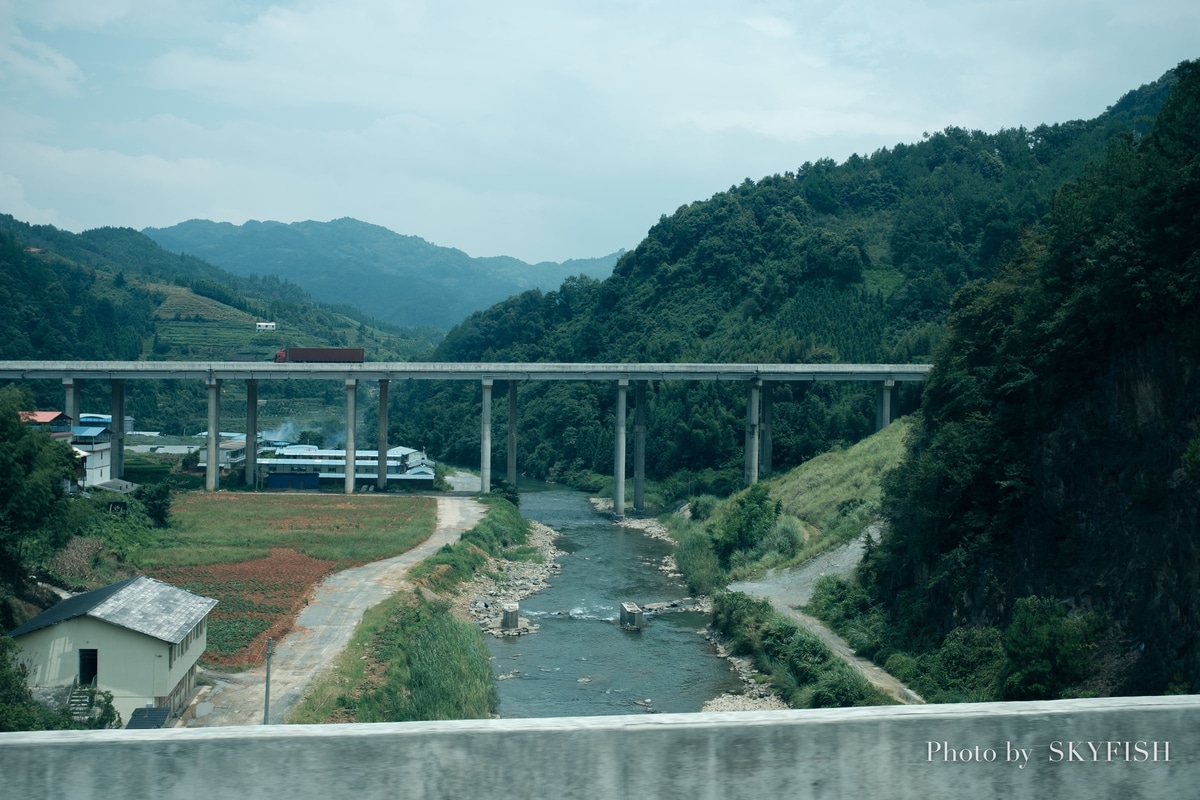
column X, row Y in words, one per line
column 695, row 557
column 786, row 537
column 702, row 506
column 1047, row 649
column 748, row 522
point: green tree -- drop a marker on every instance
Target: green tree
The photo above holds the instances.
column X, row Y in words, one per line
column 33, row 472
column 156, row 497
column 20, row 712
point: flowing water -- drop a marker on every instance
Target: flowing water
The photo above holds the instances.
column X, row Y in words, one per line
column 581, row 663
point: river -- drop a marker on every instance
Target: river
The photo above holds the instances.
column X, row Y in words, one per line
column 580, row 662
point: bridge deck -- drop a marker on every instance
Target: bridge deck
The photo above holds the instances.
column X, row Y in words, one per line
column 402, row 370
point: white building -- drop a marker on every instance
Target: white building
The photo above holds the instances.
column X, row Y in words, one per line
column 304, row 466
column 139, row 639
column 231, row 454
column 95, row 443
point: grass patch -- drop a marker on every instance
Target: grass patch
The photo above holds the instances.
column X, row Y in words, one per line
column 346, row 530
column 837, row 493
column 409, row 659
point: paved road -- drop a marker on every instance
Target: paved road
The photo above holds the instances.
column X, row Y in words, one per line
column 790, row 588
column 324, row 627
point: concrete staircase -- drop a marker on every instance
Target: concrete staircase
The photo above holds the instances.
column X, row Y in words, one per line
column 81, row 700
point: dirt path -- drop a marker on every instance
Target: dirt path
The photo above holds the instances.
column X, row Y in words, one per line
column 791, row 588
column 324, row 627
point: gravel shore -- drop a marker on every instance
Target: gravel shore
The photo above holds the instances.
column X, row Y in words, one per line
column 501, row 581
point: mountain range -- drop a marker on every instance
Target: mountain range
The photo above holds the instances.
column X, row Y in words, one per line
column 400, row 279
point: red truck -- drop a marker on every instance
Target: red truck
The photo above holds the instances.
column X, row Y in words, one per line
column 320, row 355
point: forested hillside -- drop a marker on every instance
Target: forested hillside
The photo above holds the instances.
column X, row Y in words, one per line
column 1045, row 525
column 112, row 293
column 403, row 280
column 854, row 262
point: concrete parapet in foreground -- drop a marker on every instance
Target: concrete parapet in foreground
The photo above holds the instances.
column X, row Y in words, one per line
column 1112, row 747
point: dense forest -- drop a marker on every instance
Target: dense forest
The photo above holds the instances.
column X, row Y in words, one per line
column 852, row 262
column 1053, row 481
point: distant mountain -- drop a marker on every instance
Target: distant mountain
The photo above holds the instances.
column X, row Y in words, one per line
column 400, row 279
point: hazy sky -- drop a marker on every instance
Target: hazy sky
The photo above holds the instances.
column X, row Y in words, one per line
column 541, row 129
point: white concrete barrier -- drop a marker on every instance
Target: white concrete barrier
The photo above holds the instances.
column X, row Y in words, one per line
column 1104, row 748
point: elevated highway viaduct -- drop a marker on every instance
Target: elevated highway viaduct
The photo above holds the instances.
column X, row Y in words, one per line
column 759, row 379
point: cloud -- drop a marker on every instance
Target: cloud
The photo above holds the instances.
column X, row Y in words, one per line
column 14, row 202
column 769, row 26
column 542, row 129
column 32, row 65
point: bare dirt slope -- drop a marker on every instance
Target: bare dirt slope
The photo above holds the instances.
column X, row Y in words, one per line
column 324, row 627
column 791, row 588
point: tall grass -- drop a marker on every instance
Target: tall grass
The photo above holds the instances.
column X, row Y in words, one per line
column 695, row 556
column 409, row 659
column 838, row 493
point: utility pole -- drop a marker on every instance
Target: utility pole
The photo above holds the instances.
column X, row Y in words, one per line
column 267, row 696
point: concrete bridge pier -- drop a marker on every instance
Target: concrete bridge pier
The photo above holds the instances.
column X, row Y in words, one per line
column 351, row 419
column 764, row 447
column 381, row 438
column 212, row 473
column 251, row 477
column 619, row 451
column 118, row 428
column 72, row 405
column 883, row 404
column 752, row 402
column 639, row 447
column 485, row 438
column 512, row 434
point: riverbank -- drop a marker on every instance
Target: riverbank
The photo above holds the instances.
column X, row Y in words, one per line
column 481, row 600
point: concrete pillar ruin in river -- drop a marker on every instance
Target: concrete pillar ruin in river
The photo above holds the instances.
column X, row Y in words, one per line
column 619, row 451
column 485, row 439
column 883, row 405
column 212, row 472
column 512, row 434
column 252, row 433
column 752, row 401
column 639, row 447
column 118, row 429
column 381, row 438
column 510, row 616
column 351, row 418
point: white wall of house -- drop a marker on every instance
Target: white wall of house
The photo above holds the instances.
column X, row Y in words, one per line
column 137, row 669
column 98, row 467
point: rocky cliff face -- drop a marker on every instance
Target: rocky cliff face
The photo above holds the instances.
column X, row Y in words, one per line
column 1116, row 520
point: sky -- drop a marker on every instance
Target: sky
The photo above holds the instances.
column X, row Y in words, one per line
column 539, row 129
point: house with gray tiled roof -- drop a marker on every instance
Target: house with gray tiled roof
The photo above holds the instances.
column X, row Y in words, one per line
column 139, row 639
